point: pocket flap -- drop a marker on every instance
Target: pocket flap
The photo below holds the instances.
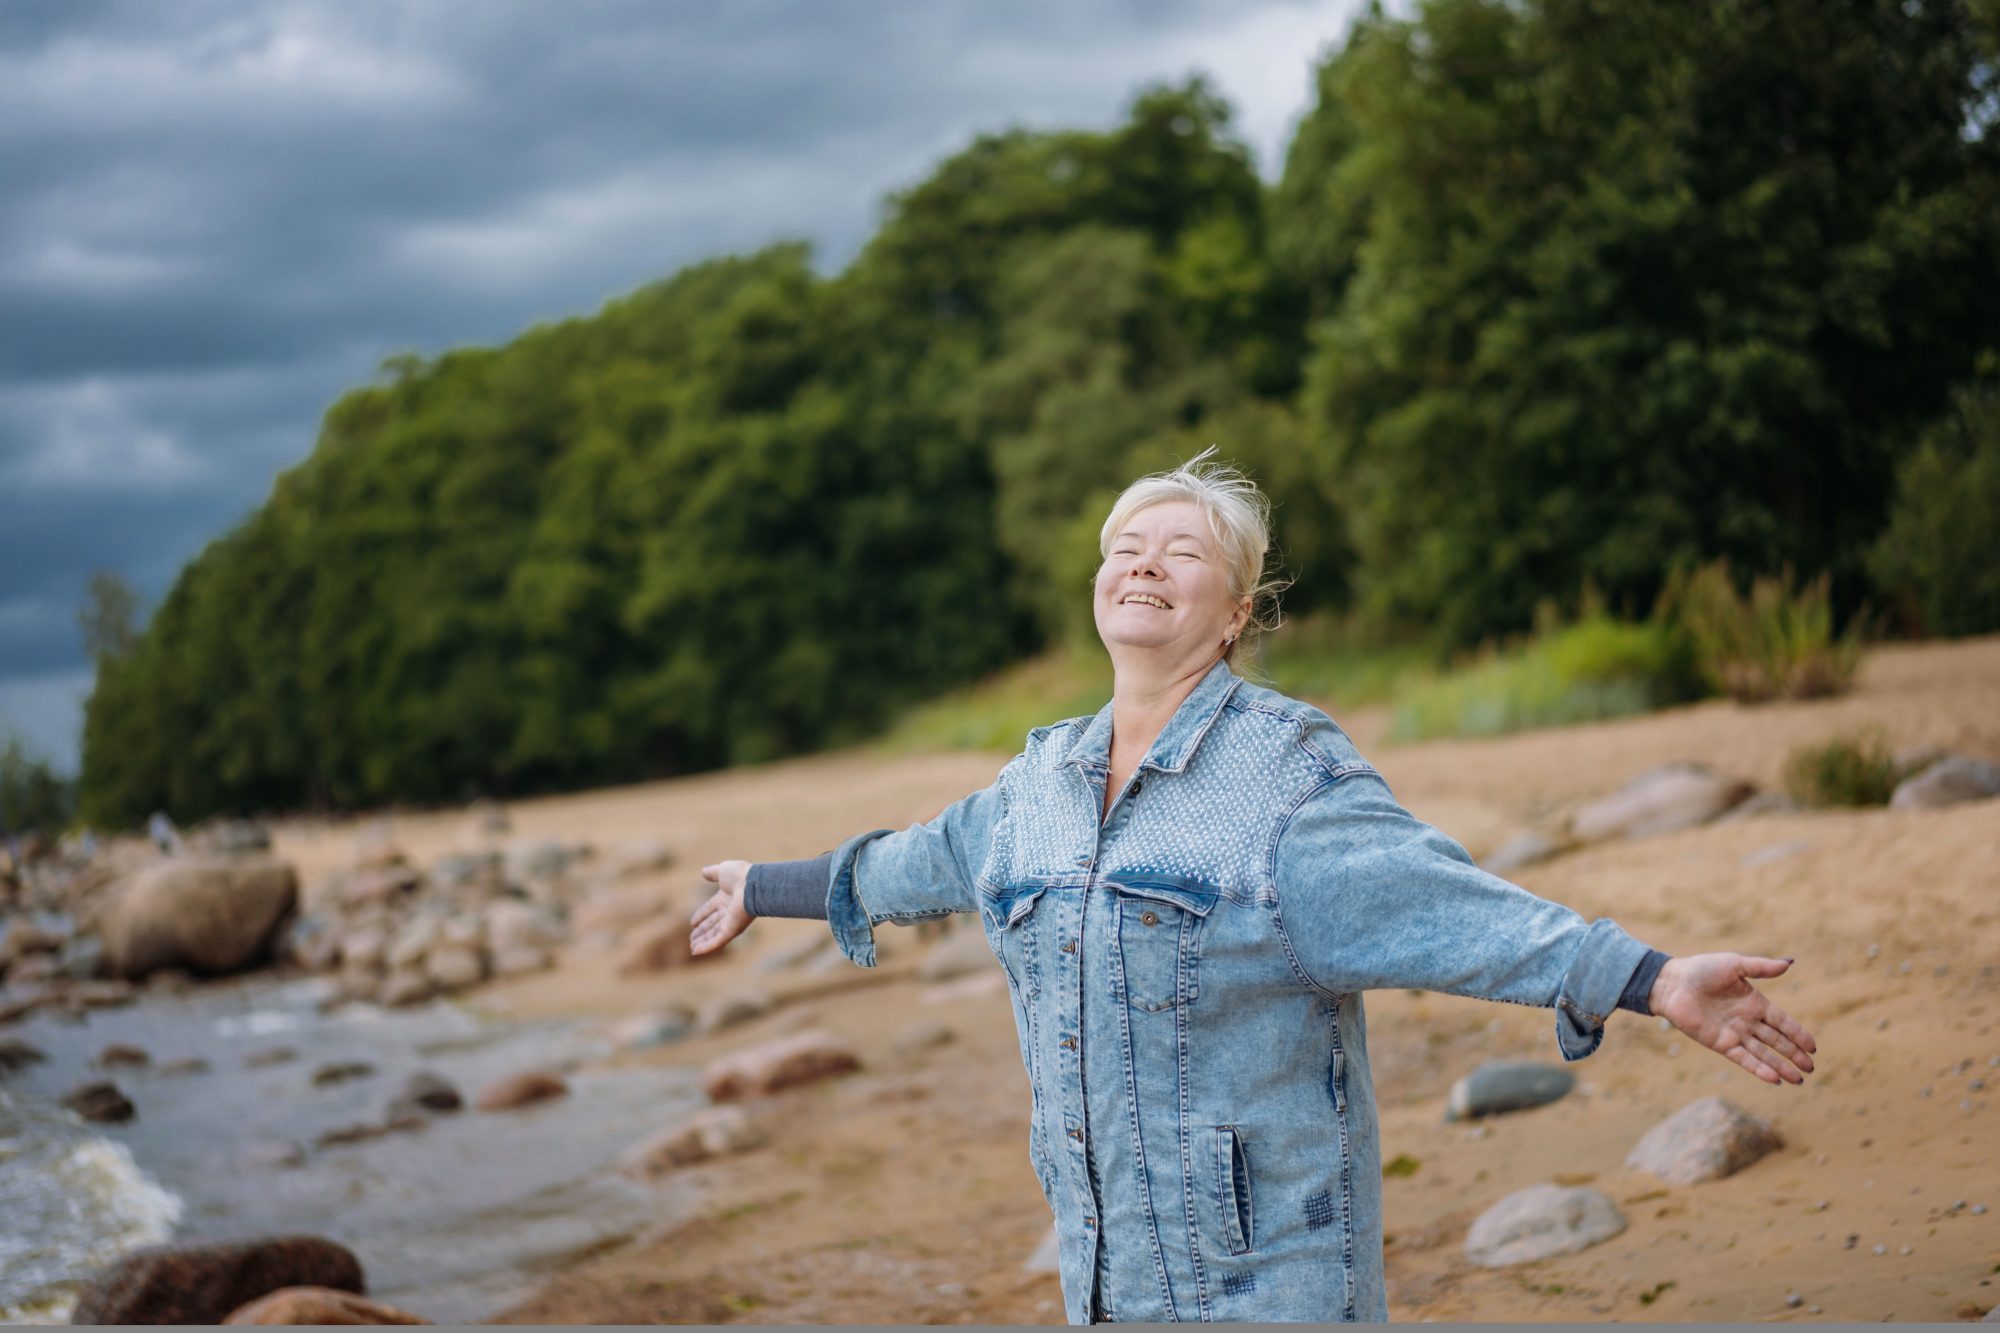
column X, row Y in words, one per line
column 1188, row 894
column 1005, row 906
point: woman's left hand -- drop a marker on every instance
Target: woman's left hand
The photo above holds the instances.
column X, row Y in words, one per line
column 1709, row 997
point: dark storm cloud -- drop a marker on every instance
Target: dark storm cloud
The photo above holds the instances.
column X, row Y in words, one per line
column 219, row 215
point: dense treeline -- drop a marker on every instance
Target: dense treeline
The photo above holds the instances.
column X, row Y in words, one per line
column 1549, row 292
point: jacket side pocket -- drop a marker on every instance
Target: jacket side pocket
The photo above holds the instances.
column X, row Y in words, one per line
column 1232, row 1175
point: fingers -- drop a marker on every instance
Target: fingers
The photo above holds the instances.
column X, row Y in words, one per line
column 1791, row 1027
column 1770, row 1059
column 1742, row 1055
column 713, row 874
column 1765, row 967
column 1775, row 1040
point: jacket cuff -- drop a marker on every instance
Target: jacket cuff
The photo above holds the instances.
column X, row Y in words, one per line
column 1591, row 987
column 845, row 915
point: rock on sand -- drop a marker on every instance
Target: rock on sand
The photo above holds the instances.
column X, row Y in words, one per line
column 1541, row 1221
column 1704, row 1140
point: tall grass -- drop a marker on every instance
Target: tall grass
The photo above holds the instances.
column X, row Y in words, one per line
column 1777, row 642
column 1854, row 769
column 1592, row 668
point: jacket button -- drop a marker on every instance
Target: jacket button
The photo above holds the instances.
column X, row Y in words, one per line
column 1133, row 790
column 1069, row 946
column 1077, row 1134
column 1149, row 918
column 1068, row 1043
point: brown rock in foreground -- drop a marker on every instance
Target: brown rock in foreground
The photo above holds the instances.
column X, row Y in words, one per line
column 204, row 1284
column 520, row 1090
column 207, row 914
column 1704, row 1140
column 800, row 1058
column 321, row 1306
column 100, row 1102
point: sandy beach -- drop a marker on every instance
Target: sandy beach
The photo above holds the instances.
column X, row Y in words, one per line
column 903, row 1193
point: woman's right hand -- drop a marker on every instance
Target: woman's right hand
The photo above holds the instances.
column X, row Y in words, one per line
column 722, row 918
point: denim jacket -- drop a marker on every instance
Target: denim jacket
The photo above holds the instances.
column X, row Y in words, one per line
column 1186, row 977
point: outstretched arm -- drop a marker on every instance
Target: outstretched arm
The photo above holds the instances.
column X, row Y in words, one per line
column 1709, row 997
column 723, row 917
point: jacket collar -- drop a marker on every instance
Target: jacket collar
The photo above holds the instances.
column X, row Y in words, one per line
column 1177, row 741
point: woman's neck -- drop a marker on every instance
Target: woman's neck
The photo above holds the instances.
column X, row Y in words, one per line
column 1145, row 697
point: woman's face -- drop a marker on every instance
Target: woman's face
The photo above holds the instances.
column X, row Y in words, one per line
column 1164, row 586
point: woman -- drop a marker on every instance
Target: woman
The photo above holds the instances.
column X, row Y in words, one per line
column 1189, row 891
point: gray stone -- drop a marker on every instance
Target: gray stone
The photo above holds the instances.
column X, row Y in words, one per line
column 1763, row 803
column 1910, row 760
column 539, row 859
column 1521, row 851
column 1704, row 1140
column 712, row 1132
column 236, row 837
column 455, row 966
column 1500, row 1086
column 922, row 1037
column 422, row 1092
column 455, row 870
column 670, row 1023
column 1952, row 780
column 417, row 937
column 1540, row 1222
column 401, row 988
column 1047, row 1257
column 520, row 961
column 518, row 925
column 101, row 1102
column 1660, row 800
column 738, row 1006
column 961, row 953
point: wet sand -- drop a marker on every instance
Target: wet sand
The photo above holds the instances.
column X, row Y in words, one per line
column 904, row 1193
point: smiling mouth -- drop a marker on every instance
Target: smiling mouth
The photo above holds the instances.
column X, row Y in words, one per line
column 1147, row 599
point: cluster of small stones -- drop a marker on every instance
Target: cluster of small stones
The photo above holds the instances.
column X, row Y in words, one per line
column 397, row 934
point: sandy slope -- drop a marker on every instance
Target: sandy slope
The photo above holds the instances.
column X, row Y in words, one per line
column 904, row 1194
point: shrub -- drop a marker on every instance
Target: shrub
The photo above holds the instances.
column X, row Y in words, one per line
column 1597, row 667
column 1940, row 554
column 1777, row 642
column 1853, row 769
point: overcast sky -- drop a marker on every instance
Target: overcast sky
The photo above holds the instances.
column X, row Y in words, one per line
column 218, row 214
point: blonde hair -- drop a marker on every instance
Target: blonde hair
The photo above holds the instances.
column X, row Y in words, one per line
column 1239, row 518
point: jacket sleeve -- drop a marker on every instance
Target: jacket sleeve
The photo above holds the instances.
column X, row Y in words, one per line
column 927, row 870
column 1369, row 896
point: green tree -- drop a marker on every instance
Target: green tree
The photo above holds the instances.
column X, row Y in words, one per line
column 1641, row 283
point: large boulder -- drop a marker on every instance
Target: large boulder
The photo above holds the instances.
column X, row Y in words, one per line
column 786, row 1062
column 199, row 1283
column 1952, row 780
column 1539, row 1222
column 206, row 914
column 319, row 1306
column 1704, row 1140
column 1660, row 800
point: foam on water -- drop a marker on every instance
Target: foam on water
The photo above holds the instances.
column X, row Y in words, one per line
column 73, row 1202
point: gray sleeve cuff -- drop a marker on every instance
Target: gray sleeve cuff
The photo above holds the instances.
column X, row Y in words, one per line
column 1591, row 988
column 1641, row 984
column 788, row 888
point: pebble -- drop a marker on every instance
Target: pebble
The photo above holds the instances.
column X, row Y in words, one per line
column 1994, row 1063
column 1904, row 1251
column 1903, row 968
column 1821, row 1206
column 1853, row 1240
column 1881, row 1025
column 1820, row 1160
column 1977, row 1085
column 1874, row 951
column 1794, row 1300
column 1812, row 1309
column 1978, row 1209
column 1923, row 1093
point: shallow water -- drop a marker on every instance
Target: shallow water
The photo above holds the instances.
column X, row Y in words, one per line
column 452, row 1221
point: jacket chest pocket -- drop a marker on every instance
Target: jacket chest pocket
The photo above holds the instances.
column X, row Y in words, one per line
column 1160, row 923
column 1012, row 926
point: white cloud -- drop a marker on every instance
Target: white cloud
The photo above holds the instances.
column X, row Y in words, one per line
column 83, row 435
